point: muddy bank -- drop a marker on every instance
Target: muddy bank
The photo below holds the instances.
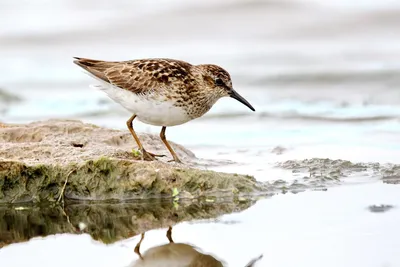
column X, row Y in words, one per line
column 323, row 172
column 95, row 163
column 104, row 222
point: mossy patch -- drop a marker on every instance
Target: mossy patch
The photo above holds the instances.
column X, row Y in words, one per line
column 106, row 178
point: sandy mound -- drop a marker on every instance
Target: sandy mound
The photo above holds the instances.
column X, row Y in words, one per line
column 36, row 159
column 60, row 142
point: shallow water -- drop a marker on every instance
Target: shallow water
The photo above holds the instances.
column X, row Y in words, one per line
column 330, row 228
column 322, row 75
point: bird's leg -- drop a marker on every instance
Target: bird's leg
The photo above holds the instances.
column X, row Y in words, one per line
column 144, row 154
column 137, row 248
column 169, row 235
column 162, row 135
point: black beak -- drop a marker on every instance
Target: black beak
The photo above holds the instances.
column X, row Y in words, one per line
column 235, row 95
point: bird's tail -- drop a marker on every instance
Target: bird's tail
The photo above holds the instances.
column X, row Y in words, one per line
column 97, row 68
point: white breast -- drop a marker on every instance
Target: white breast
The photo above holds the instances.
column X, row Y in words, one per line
column 151, row 109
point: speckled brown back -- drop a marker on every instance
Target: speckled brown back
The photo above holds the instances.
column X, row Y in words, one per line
column 141, row 76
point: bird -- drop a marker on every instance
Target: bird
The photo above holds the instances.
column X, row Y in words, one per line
column 177, row 255
column 161, row 91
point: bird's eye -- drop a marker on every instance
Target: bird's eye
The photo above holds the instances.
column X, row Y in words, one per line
column 219, row 81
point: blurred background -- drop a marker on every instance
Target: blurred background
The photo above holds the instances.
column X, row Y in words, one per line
column 323, row 76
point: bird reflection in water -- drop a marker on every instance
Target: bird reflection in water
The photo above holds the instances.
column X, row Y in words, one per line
column 177, row 255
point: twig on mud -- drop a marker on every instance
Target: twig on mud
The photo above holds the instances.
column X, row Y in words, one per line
column 61, row 196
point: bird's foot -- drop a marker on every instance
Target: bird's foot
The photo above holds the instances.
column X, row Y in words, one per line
column 149, row 156
column 176, row 159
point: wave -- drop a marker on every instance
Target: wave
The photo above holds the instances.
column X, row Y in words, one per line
column 299, row 116
column 7, row 97
column 329, row 77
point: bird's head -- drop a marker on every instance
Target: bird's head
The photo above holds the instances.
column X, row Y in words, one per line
column 219, row 82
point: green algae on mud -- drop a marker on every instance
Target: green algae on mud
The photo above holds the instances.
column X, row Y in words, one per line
column 105, row 222
column 106, row 179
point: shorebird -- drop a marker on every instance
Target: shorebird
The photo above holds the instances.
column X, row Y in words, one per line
column 177, row 255
column 161, row 92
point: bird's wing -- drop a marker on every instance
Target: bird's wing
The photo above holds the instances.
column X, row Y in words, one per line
column 140, row 76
